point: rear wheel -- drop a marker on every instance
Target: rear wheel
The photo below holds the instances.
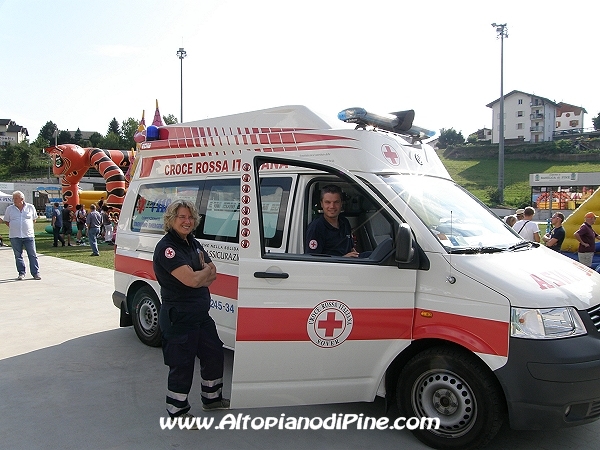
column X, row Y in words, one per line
column 459, row 390
column 145, row 318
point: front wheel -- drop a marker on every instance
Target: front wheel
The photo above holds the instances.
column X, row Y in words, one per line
column 145, row 319
column 456, row 388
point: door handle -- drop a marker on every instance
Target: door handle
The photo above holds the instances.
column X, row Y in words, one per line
column 271, row 275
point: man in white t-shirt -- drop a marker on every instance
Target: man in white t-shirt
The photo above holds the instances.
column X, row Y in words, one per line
column 526, row 227
column 20, row 217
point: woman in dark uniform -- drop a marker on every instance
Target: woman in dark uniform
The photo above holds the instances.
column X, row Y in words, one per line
column 184, row 271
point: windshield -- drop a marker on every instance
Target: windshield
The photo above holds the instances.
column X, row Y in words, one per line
column 459, row 221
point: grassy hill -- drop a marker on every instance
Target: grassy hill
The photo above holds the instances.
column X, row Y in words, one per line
column 480, row 177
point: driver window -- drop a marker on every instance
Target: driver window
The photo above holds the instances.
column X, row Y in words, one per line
column 332, row 219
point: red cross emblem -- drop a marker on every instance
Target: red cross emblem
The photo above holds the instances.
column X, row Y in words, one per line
column 169, row 252
column 390, row 154
column 330, row 324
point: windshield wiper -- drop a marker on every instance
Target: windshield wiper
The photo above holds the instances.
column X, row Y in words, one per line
column 520, row 245
column 475, row 250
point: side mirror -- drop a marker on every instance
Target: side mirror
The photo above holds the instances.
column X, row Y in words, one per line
column 404, row 244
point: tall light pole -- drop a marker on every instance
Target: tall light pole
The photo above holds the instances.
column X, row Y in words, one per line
column 502, row 32
column 181, row 53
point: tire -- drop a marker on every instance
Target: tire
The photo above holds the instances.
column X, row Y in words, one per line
column 458, row 389
column 145, row 318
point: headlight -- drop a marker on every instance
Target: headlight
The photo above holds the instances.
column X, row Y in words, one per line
column 551, row 323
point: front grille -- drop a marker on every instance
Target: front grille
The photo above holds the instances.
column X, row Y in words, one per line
column 594, row 409
column 595, row 316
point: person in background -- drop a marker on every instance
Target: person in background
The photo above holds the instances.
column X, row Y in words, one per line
column 526, row 227
column 20, row 217
column 184, row 272
column 93, row 222
column 519, row 213
column 80, row 219
column 586, row 236
column 67, row 219
column 510, row 220
column 57, row 224
column 555, row 238
column 106, row 223
column 115, row 226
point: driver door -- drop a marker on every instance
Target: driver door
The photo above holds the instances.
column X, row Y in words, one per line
column 310, row 329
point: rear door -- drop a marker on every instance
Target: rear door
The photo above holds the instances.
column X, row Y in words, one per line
column 311, row 329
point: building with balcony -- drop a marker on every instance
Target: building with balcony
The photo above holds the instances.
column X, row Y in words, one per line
column 11, row 133
column 532, row 118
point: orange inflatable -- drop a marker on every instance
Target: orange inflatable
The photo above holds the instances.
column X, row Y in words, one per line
column 71, row 162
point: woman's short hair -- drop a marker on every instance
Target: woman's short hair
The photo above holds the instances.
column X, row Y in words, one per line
column 171, row 213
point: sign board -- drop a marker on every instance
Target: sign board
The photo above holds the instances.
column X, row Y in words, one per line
column 553, row 177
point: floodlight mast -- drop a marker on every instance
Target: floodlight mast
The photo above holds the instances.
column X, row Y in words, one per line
column 181, row 53
column 502, row 32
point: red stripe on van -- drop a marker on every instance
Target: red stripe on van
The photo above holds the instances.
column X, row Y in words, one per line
column 476, row 334
column 225, row 285
column 289, row 324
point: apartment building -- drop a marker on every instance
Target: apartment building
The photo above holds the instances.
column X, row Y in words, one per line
column 532, row 118
column 12, row 133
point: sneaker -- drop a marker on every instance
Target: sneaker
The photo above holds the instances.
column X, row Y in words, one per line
column 21, row 277
column 94, row 254
column 37, row 276
column 221, row 404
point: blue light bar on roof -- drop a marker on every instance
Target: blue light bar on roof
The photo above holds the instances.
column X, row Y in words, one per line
column 396, row 122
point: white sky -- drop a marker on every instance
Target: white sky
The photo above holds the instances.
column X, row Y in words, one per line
column 81, row 63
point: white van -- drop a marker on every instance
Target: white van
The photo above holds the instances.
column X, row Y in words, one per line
column 451, row 316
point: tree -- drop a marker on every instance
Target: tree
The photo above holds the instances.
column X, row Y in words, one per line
column 64, row 137
column 112, row 141
column 170, row 119
column 450, row 137
column 47, row 132
column 128, row 129
column 596, row 122
column 113, row 127
column 95, row 139
column 77, row 137
column 41, row 143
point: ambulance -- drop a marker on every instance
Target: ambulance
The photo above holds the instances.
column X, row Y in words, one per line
column 449, row 315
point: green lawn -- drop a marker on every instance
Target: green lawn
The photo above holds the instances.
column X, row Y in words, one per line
column 481, row 176
column 81, row 254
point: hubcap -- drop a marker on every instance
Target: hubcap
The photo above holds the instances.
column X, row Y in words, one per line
column 148, row 316
column 442, row 394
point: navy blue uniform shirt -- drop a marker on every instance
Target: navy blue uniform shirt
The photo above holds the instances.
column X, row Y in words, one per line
column 322, row 238
column 170, row 253
column 559, row 234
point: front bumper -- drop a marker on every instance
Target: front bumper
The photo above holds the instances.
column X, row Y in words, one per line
column 553, row 383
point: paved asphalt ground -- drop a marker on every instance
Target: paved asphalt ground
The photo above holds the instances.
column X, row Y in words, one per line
column 70, row 378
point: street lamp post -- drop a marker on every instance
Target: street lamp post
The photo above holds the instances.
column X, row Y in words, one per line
column 502, row 32
column 181, row 53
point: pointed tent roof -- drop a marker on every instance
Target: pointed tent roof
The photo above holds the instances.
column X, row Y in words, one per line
column 157, row 122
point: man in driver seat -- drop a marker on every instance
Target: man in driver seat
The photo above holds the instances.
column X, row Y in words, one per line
column 330, row 233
